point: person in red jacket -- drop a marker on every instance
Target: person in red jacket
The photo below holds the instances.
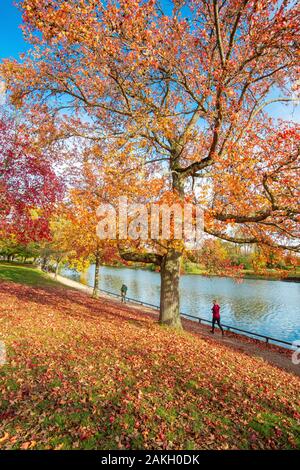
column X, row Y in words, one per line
column 216, row 317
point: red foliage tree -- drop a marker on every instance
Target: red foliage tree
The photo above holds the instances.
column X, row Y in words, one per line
column 29, row 187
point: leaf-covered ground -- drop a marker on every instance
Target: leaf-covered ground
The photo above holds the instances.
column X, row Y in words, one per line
column 88, row 374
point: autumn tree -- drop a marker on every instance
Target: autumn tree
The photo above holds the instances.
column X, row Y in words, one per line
column 189, row 87
column 74, row 227
column 29, row 187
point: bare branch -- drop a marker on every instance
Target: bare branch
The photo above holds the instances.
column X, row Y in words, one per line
column 218, row 32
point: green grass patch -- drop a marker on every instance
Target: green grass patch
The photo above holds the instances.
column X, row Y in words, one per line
column 24, row 274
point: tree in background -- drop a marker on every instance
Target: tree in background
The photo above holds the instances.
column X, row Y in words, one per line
column 188, row 88
column 215, row 258
column 11, row 249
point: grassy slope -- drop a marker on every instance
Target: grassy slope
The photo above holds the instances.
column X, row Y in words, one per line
column 24, row 274
column 86, row 374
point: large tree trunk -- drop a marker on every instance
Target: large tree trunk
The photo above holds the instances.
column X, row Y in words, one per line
column 97, row 277
column 169, row 290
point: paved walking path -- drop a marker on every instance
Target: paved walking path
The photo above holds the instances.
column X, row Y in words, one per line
column 279, row 357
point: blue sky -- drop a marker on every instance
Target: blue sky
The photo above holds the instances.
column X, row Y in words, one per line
column 11, row 40
column 12, row 44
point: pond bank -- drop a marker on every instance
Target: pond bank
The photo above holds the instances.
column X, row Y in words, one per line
column 272, row 354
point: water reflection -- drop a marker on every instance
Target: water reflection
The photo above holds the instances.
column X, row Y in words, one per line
column 266, row 307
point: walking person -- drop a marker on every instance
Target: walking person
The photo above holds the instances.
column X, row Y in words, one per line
column 123, row 293
column 216, row 317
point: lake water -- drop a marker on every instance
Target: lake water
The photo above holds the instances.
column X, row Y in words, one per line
column 271, row 308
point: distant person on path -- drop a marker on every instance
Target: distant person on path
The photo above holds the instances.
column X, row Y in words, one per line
column 216, row 317
column 123, row 293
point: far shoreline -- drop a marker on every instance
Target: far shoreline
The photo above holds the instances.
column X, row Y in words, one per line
column 247, row 275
